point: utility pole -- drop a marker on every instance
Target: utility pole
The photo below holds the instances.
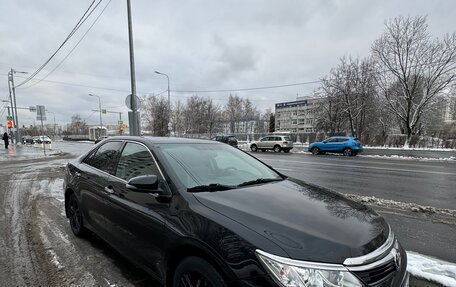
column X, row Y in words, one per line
column 13, row 101
column 135, row 128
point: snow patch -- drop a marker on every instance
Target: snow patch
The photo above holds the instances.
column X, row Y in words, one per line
column 47, row 244
column 55, row 259
column 52, row 189
column 109, row 283
column 451, row 158
column 372, row 200
column 409, row 148
column 431, row 269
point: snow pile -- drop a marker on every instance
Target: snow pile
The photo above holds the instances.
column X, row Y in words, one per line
column 431, row 269
column 372, row 200
column 409, row 148
column 451, row 158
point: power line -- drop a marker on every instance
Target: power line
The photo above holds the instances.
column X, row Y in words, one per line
column 76, row 27
column 247, row 89
column 75, row 46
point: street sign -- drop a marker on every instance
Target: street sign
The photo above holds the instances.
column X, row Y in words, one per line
column 9, row 118
column 103, row 111
column 128, row 102
column 120, row 122
column 32, row 109
column 9, row 124
column 40, row 113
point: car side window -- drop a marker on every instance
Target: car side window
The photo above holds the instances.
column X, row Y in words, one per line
column 105, row 157
column 330, row 140
column 136, row 160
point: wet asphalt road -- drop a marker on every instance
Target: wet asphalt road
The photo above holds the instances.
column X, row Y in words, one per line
column 37, row 247
column 428, row 183
column 431, row 183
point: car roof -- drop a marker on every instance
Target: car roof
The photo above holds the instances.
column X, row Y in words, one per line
column 160, row 140
column 341, row 137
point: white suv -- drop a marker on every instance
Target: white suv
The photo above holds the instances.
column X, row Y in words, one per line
column 273, row 142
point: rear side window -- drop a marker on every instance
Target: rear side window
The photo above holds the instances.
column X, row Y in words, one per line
column 136, row 160
column 287, row 139
column 105, row 158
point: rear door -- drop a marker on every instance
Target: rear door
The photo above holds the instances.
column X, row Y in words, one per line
column 93, row 177
column 263, row 142
column 136, row 218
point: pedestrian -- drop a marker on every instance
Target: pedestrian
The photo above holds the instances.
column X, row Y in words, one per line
column 6, row 139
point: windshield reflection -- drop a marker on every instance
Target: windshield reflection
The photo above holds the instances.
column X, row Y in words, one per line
column 211, row 164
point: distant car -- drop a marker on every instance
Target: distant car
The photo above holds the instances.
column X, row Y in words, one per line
column 228, row 139
column 349, row 146
column 100, row 139
column 276, row 143
column 42, row 139
column 28, row 140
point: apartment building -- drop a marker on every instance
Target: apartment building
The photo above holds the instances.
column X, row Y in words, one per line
column 296, row 116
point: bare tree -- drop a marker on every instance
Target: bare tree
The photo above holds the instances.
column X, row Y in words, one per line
column 213, row 116
column 78, row 126
column 234, row 112
column 177, row 117
column 421, row 67
column 156, row 115
column 329, row 112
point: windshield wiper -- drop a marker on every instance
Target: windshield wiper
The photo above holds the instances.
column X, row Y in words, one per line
column 260, row 180
column 210, row 187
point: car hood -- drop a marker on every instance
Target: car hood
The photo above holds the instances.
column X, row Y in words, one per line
column 308, row 222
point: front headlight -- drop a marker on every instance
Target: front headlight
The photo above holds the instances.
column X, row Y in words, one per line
column 294, row 273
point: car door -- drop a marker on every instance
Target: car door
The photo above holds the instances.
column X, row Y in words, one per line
column 137, row 218
column 262, row 143
column 330, row 144
column 94, row 173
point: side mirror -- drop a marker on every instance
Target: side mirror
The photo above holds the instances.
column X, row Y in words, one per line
column 148, row 184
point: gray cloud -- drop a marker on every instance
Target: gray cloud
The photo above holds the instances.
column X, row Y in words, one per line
column 200, row 44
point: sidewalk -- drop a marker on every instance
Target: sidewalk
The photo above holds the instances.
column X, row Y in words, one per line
column 22, row 152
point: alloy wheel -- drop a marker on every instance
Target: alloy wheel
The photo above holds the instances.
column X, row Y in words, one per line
column 75, row 215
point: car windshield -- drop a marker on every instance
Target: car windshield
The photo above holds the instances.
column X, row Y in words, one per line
column 215, row 165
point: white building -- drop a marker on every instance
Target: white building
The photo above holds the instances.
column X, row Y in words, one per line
column 296, row 116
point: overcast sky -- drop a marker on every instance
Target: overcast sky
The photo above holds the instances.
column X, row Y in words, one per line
column 201, row 45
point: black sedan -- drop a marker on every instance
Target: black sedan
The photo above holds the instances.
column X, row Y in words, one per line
column 202, row 213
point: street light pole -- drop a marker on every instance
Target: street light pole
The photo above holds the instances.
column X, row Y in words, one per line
column 99, row 107
column 13, row 100
column 167, row 77
column 169, row 99
column 135, row 127
column 54, row 121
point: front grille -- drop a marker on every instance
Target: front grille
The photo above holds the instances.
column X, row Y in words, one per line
column 378, row 276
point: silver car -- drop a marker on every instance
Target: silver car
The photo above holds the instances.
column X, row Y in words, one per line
column 273, row 142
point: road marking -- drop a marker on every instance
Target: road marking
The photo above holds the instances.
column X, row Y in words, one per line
column 363, row 167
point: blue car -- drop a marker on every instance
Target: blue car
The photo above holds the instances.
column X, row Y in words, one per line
column 349, row 146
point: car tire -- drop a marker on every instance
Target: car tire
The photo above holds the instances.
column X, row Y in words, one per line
column 315, row 151
column 253, row 148
column 348, row 151
column 75, row 216
column 194, row 271
column 277, row 148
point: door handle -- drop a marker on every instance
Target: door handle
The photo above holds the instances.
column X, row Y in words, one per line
column 109, row 189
